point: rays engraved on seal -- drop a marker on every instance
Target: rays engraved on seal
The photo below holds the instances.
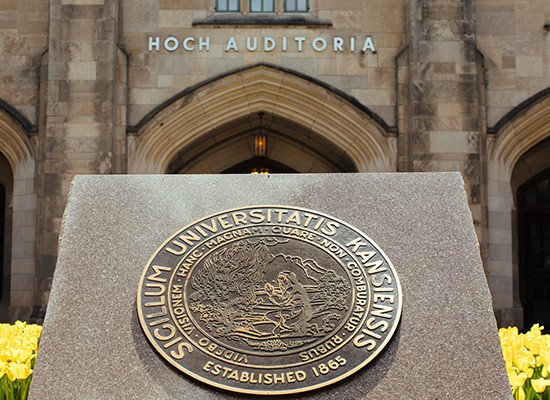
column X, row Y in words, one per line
column 266, row 300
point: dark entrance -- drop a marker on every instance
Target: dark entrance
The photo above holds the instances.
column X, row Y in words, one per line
column 534, row 249
column 2, row 229
column 259, row 165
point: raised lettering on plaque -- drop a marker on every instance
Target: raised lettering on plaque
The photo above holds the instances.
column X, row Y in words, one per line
column 269, row 300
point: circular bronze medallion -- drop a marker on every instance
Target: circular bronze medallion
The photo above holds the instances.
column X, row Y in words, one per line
column 269, row 300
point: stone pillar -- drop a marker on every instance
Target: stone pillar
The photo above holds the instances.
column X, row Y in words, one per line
column 80, row 115
column 445, row 109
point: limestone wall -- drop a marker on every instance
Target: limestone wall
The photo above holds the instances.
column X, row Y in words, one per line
column 157, row 75
column 446, row 78
column 516, row 46
column 23, row 40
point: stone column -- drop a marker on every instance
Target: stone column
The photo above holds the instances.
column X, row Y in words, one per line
column 80, row 115
column 445, row 109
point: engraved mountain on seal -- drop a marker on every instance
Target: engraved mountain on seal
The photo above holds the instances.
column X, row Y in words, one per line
column 266, row 300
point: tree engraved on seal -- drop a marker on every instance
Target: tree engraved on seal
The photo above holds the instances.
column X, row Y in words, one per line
column 237, row 302
column 269, row 300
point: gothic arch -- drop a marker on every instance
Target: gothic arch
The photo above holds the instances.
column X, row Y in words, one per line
column 353, row 131
column 516, row 137
column 18, row 152
column 14, row 143
column 531, row 218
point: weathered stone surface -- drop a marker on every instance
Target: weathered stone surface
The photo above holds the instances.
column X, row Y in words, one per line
column 446, row 346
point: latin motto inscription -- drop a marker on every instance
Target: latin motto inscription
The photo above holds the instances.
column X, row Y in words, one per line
column 269, row 300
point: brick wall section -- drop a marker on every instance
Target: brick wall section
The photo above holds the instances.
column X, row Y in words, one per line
column 78, row 134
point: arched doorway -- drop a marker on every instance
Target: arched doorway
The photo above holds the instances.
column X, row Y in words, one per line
column 17, row 168
column 6, row 192
column 2, row 230
column 534, row 248
column 261, row 143
column 519, row 151
column 531, row 185
column 3, row 261
column 310, row 127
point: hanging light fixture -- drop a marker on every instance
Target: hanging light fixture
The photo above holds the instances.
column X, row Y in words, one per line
column 260, row 148
column 260, row 139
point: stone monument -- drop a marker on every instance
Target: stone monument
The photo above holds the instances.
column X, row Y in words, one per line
column 347, row 286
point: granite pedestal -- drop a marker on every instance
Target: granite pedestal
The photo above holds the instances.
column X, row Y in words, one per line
column 446, row 346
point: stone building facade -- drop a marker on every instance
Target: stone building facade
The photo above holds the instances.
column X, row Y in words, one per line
column 196, row 86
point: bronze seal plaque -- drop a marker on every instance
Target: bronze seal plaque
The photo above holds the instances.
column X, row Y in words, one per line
column 269, row 300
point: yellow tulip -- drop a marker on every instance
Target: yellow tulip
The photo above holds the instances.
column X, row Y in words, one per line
column 545, row 355
column 33, row 330
column 527, row 360
column 539, row 385
column 29, row 343
column 520, row 394
column 3, row 368
column 508, row 354
column 535, row 345
column 18, row 347
column 18, row 371
column 510, row 331
column 20, row 325
column 523, row 359
column 20, row 355
column 516, row 380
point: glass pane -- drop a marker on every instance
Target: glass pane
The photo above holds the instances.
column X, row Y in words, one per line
column 222, row 5
column 234, row 5
column 255, row 5
column 291, row 5
column 302, row 5
column 268, row 6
